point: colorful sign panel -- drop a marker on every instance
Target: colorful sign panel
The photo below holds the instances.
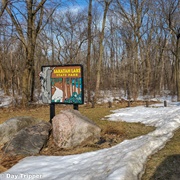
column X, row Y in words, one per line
column 62, row 84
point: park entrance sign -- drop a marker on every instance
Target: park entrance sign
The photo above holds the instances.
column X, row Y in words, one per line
column 62, row 84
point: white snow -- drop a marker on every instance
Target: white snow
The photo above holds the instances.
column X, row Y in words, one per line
column 5, row 101
column 124, row 161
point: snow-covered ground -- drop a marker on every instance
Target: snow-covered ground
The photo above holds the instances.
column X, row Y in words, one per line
column 5, row 101
column 124, row 161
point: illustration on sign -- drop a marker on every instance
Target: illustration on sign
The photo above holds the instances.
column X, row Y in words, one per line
column 62, row 84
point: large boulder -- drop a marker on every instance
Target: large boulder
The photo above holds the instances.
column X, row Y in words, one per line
column 30, row 140
column 70, row 129
column 10, row 127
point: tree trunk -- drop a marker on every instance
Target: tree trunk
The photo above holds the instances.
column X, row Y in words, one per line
column 4, row 78
column 29, row 73
column 101, row 49
column 88, row 83
column 178, row 67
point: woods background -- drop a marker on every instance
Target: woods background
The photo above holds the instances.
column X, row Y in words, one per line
column 126, row 45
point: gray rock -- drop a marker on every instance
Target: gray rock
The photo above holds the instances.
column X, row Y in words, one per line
column 30, row 140
column 71, row 128
column 10, row 127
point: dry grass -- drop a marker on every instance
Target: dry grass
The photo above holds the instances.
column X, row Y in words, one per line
column 41, row 112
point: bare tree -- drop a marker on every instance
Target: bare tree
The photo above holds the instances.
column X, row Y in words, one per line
column 132, row 14
column 135, row 47
column 28, row 30
column 170, row 13
column 89, row 52
column 101, row 48
column 70, row 33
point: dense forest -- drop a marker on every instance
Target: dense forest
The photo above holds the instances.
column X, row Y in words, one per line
column 132, row 46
